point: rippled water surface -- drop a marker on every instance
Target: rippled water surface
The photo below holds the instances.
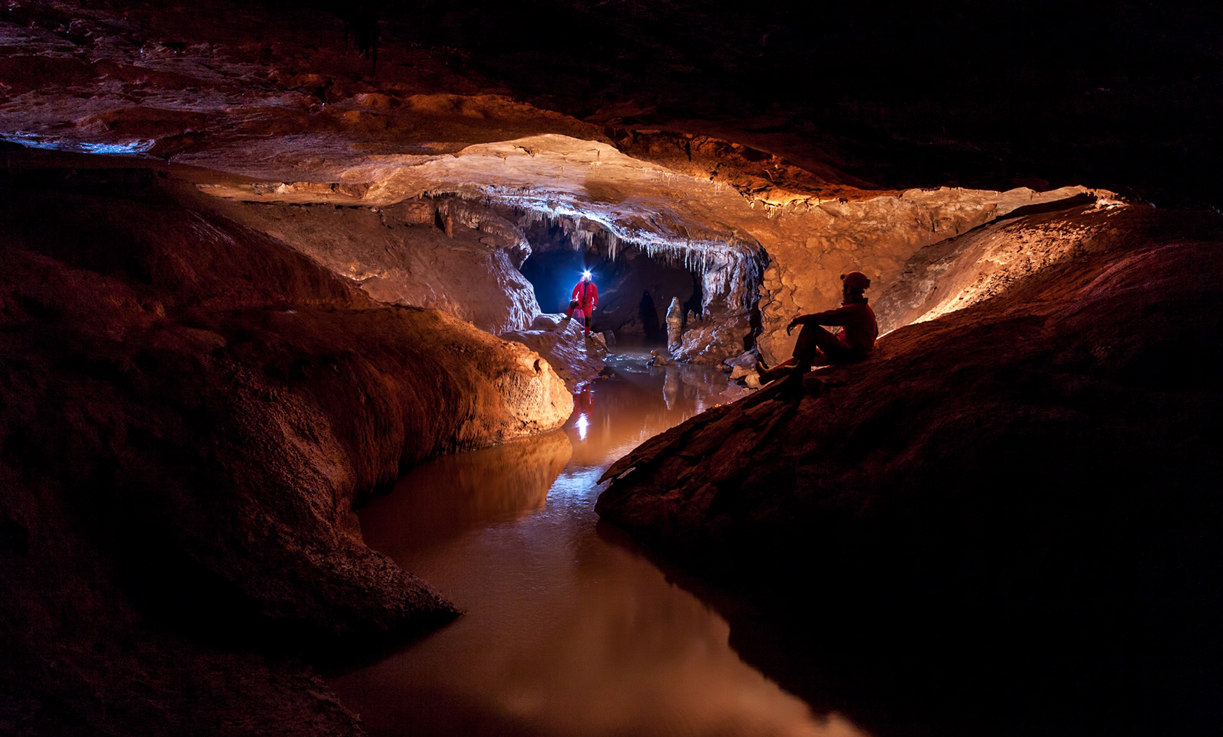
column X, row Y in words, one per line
column 565, row 632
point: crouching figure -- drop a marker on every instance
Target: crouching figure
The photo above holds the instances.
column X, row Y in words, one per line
column 818, row 347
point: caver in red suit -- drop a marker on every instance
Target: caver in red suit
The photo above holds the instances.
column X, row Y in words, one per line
column 583, row 302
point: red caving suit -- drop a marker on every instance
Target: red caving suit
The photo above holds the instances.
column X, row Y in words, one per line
column 587, row 298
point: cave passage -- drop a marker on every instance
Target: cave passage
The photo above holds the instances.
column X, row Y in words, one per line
column 635, row 289
column 568, row 629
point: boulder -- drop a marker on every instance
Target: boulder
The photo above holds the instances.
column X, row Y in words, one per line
column 549, row 321
column 561, row 342
column 714, row 340
column 747, row 359
column 738, row 372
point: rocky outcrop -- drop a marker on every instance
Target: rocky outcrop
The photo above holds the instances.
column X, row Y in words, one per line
column 810, row 247
column 191, row 411
column 449, row 255
column 984, row 263
column 576, row 358
column 714, row 339
column 1025, row 486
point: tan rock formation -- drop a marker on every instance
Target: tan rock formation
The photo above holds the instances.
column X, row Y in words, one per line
column 809, row 248
column 675, row 323
column 418, row 253
column 576, row 358
column 714, row 340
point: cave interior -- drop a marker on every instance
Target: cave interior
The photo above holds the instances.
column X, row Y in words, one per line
column 262, row 259
column 635, row 289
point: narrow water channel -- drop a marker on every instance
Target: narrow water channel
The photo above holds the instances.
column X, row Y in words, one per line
column 565, row 632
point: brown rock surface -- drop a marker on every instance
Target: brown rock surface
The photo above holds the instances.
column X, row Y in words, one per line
column 962, row 271
column 804, row 103
column 1015, row 486
column 810, row 247
column 448, row 255
column 713, row 340
column 191, row 410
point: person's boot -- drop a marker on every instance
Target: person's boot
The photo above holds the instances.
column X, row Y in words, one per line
column 775, row 373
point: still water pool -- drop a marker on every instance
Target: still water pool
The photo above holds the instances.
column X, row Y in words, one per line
column 568, row 630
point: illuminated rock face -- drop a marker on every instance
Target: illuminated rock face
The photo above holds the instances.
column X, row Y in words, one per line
column 449, row 255
column 810, row 248
column 563, row 343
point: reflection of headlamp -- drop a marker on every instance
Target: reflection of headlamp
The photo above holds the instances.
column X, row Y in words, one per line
column 585, row 274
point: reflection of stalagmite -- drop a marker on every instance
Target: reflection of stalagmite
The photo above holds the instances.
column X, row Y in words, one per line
column 675, row 323
column 670, row 386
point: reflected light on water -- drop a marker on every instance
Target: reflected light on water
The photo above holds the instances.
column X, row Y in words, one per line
column 33, row 140
column 565, row 632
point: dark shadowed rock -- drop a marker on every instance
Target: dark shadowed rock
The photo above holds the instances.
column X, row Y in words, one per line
column 1027, row 486
column 191, row 411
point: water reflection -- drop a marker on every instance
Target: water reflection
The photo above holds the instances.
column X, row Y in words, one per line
column 454, row 493
column 565, row 634
column 670, row 387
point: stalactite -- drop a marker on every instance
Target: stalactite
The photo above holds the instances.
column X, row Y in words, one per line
column 727, row 264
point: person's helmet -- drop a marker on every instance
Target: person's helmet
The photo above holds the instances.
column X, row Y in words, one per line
column 856, row 279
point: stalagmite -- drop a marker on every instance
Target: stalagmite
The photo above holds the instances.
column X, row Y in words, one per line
column 675, row 322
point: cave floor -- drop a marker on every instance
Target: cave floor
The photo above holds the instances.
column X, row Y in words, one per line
column 568, row 628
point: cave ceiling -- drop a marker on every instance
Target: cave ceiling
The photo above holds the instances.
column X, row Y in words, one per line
column 780, row 103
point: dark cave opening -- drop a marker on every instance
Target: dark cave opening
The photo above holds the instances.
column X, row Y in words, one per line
column 635, row 289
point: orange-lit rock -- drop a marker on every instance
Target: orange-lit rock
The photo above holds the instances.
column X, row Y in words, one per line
column 809, row 248
column 416, row 253
column 574, row 357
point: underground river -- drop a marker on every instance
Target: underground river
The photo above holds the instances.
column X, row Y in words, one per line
column 567, row 630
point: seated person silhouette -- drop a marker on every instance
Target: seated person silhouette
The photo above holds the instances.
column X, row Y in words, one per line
column 819, row 347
